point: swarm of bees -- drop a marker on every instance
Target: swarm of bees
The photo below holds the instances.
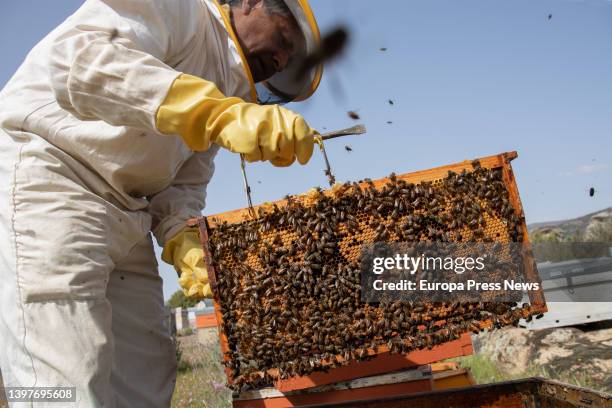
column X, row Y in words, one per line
column 288, row 281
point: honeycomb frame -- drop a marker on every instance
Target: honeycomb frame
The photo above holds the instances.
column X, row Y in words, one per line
column 207, row 225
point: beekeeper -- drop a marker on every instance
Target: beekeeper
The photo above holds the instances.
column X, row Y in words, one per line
column 108, row 132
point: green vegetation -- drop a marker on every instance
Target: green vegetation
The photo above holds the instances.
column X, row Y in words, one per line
column 178, row 299
column 187, row 331
column 485, row 371
column 181, row 364
column 200, row 380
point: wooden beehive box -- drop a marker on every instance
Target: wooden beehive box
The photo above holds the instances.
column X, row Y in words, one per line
column 532, row 392
column 257, row 301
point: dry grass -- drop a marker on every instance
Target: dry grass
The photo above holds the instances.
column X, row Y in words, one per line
column 200, row 381
column 485, row 371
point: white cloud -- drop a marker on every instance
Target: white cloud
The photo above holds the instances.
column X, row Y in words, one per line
column 585, row 169
column 591, row 168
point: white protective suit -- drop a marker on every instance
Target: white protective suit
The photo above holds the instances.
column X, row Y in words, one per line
column 85, row 178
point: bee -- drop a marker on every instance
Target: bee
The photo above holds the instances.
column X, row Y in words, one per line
column 307, row 306
column 353, row 115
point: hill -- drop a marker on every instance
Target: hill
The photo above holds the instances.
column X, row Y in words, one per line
column 588, row 227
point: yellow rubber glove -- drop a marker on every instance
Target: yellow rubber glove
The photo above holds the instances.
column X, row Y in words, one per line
column 184, row 251
column 197, row 111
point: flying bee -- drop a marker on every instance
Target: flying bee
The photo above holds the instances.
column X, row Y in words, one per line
column 353, row 115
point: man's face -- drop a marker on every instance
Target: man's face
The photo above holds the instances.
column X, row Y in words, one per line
column 268, row 41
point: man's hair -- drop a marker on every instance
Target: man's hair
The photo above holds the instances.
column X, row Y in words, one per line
column 271, row 6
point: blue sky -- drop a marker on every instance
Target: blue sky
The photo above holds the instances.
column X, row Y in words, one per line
column 468, row 78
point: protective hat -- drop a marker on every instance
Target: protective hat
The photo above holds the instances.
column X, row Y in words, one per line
column 284, row 84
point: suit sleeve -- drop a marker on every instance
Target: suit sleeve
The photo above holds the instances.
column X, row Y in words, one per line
column 112, row 62
column 116, row 65
column 184, row 198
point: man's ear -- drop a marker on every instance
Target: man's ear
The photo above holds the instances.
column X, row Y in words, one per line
column 248, row 5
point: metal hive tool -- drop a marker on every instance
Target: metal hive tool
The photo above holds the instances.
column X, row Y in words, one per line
column 283, row 276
